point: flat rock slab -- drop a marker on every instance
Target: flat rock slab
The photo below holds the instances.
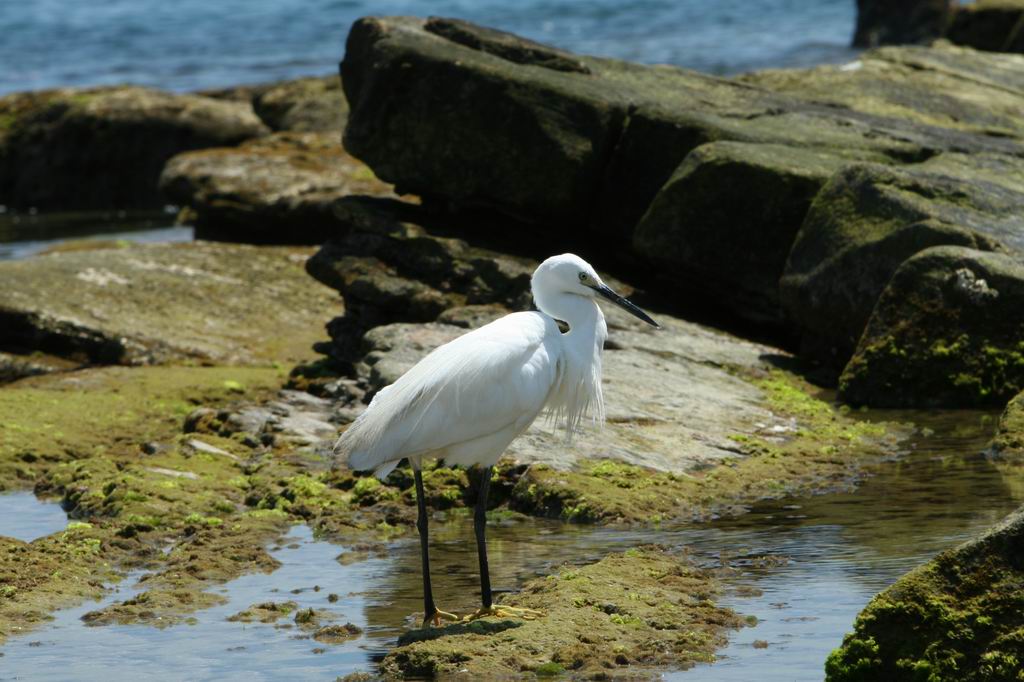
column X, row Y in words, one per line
column 671, row 396
column 278, row 189
column 958, row 617
column 105, row 147
column 946, row 86
column 946, row 332
column 142, row 304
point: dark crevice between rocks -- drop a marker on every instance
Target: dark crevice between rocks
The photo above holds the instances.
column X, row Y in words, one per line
column 22, row 333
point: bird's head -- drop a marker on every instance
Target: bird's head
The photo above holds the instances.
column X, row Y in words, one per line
column 570, row 274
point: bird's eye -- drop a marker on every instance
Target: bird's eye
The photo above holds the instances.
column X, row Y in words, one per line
column 583, row 277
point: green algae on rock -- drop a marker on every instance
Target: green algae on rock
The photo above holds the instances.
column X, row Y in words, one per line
column 868, row 219
column 724, row 222
column 644, row 608
column 105, row 147
column 1008, row 442
column 108, row 442
column 156, row 303
column 64, row 420
column 264, row 612
column 958, row 617
column 946, row 332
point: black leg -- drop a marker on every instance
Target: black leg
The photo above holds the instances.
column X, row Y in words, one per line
column 421, row 524
column 480, row 526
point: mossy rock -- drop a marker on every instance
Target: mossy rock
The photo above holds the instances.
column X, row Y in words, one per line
column 303, row 105
column 581, row 147
column 723, row 224
column 1008, row 442
column 278, row 189
column 958, row 617
column 264, row 612
column 640, row 610
column 868, row 219
column 159, row 303
column 104, row 148
column 946, row 332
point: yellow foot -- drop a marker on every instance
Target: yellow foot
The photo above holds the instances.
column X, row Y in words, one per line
column 437, row 616
column 504, row 612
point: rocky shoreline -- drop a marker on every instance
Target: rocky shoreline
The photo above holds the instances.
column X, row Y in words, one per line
column 856, row 226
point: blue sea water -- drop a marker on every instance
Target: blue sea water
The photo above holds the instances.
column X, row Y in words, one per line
column 195, row 44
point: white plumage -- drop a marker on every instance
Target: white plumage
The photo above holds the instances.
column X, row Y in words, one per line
column 469, row 399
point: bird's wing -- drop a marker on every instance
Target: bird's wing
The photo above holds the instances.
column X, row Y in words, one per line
column 470, row 387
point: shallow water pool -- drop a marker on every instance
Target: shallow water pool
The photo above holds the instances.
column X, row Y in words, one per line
column 25, row 517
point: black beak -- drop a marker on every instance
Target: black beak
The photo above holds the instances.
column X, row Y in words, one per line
column 624, row 303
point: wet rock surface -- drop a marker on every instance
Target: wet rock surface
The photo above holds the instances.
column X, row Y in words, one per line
column 277, row 189
column 957, row 617
column 646, row 608
column 168, row 302
column 105, row 147
column 945, row 333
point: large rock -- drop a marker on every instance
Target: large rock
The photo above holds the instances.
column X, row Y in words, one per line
column 304, row 104
column 958, row 617
column 277, row 189
column 887, row 22
column 723, row 224
column 868, row 219
column 578, row 142
column 996, row 25
column 947, row 332
column 105, row 147
column 143, row 304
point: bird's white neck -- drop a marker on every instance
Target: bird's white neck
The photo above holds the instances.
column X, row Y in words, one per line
column 579, row 390
column 581, row 313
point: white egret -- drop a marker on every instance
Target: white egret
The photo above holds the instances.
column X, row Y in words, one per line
column 469, row 399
